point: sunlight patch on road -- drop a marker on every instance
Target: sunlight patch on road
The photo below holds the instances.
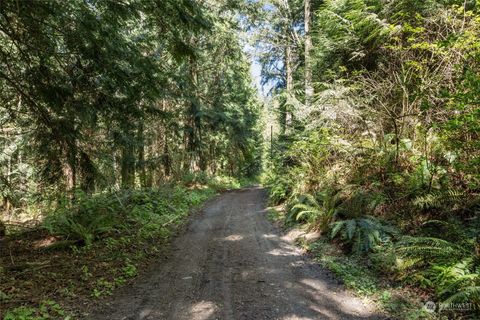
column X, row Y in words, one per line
column 234, row 237
column 269, row 236
column 295, row 317
column 347, row 304
column 145, row 313
column 203, row 310
column 315, row 285
column 282, row 252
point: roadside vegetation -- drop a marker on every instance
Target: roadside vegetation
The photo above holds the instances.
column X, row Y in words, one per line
column 83, row 251
column 117, row 118
column 383, row 158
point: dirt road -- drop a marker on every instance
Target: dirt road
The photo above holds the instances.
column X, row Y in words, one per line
column 232, row 263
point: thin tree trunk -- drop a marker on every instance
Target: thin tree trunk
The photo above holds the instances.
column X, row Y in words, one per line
column 87, row 173
column 70, row 170
column 167, row 163
column 141, row 154
column 194, row 120
column 128, row 161
column 289, row 76
column 308, row 48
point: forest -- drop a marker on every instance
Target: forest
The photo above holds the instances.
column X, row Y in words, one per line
column 361, row 119
column 378, row 142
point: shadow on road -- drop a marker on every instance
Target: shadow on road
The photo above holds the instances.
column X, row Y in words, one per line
column 232, row 263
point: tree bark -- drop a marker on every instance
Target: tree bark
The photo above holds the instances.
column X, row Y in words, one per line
column 289, row 76
column 70, row 169
column 88, row 172
column 128, row 161
column 141, row 154
column 309, row 92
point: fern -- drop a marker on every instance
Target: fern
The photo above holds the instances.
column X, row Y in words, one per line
column 363, row 234
column 360, row 203
column 452, row 231
column 89, row 217
column 429, row 250
column 449, row 267
column 318, row 213
column 459, row 282
column 75, row 227
column 438, row 199
column 470, row 294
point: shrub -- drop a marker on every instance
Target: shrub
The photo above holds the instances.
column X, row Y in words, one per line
column 86, row 218
column 318, row 213
column 362, row 234
column 452, row 269
column 358, row 202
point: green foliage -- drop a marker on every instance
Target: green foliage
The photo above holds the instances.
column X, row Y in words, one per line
column 279, row 187
column 279, row 192
column 351, row 33
column 451, row 268
column 363, row 234
column 223, row 183
column 459, row 282
column 103, row 287
column 134, row 94
column 357, row 202
column 129, row 270
column 87, row 218
column 318, row 213
column 359, row 275
column 438, row 199
column 354, row 275
column 428, row 250
column 107, row 252
column 90, row 218
column 48, row 309
column 393, row 127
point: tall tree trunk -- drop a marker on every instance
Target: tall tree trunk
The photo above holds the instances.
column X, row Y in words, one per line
column 141, row 154
column 194, row 121
column 167, row 163
column 289, row 76
column 128, row 160
column 70, row 169
column 308, row 48
column 87, row 171
column 128, row 166
column 71, row 154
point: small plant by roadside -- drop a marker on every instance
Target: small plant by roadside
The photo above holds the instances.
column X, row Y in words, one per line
column 47, row 309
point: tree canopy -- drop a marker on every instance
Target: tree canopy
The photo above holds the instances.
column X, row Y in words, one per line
column 97, row 94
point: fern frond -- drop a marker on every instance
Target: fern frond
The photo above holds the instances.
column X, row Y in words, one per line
column 465, row 295
column 351, row 226
column 337, row 226
column 429, row 249
column 362, row 233
column 438, row 199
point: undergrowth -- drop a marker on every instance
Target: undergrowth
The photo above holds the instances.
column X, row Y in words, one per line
column 92, row 244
